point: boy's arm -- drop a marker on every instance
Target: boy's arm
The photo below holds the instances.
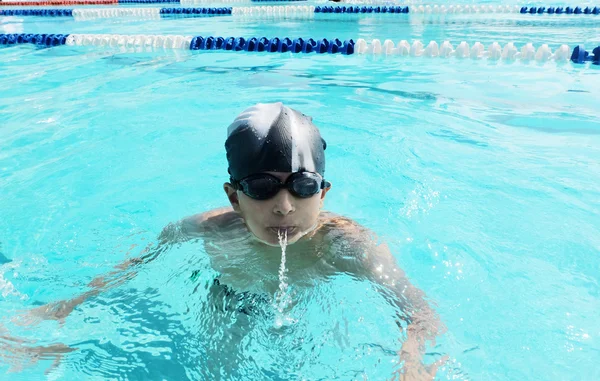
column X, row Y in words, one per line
column 184, row 230
column 424, row 324
column 375, row 262
column 19, row 353
column 122, row 273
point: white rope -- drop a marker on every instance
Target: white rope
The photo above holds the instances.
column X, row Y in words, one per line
column 494, row 51
column 274, row 10
column 96, row 13
column 137, row 41
column 477, row 51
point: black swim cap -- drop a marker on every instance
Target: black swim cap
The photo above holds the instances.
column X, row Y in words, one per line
column 273, row 138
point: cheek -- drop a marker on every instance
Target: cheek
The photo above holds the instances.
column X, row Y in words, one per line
column 310, row 207
column 252, row 210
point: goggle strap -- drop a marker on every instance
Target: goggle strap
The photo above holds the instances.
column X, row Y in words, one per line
column 235, row 183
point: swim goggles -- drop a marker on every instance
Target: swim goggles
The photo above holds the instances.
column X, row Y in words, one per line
column 264, row 186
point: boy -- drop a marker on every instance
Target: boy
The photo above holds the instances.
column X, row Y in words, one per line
column 276, row 160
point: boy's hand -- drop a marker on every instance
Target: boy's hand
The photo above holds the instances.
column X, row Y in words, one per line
column 20, row 353
column 417, row 371
column 53, row 311
column 413, row 368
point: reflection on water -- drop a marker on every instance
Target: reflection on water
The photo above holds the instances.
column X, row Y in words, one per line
column 11, row 24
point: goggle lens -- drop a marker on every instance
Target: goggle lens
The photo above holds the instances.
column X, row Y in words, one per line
column 265, row 186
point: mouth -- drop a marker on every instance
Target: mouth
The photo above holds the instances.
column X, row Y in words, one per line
column 287, row 229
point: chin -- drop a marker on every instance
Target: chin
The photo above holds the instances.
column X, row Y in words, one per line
column 272, row 244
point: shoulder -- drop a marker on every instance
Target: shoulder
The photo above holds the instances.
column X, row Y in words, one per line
column 354, row 237
column 346, row 237
column 199, row 224
column 212, row 219
column 356, row 248
column 344, row 227
column 211, row 216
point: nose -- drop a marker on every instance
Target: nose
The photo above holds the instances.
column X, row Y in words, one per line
column 284, row 203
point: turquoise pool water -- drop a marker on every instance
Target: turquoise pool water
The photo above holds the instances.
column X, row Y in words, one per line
column 481, row 176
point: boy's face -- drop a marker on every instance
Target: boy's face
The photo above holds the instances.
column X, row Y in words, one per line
column 284, row 211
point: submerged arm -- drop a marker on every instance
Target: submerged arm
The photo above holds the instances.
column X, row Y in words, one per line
column 173, row 233
column 122, row 273
column 375, row 262
column 424, row 324
column 21, row 352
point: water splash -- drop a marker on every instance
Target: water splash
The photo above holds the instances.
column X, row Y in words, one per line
column 282, row 298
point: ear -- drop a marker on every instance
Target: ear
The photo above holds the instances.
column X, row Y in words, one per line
column 232, row 195
column 323, row 193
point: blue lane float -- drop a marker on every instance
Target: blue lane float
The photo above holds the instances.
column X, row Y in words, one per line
column 560, row 10
column 86, row 13
column 578, row 55
column 37, row 12
column 36, row 39
column 195, row 11
column 273, row 45
column 359, row 9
